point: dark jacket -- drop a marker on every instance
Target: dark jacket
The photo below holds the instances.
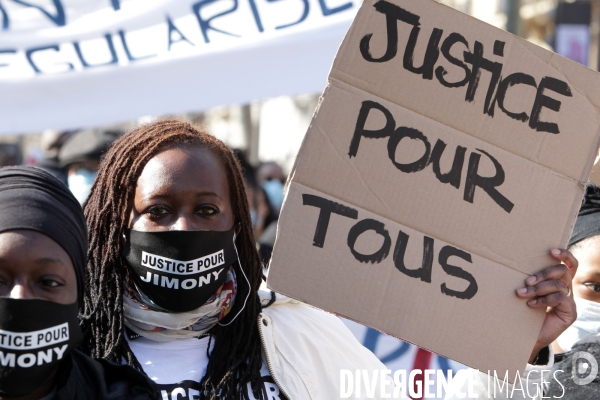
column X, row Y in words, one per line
column 82, row 377
column 575, row 374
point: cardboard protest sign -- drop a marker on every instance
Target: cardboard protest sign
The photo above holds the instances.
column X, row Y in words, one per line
column 445, row 160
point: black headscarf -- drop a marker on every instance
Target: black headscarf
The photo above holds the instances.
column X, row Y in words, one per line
column 31, row 198
column 588, row 218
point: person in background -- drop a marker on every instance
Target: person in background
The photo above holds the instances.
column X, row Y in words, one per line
column 585, row 246
column 264, row 216
column 583, row 335
column 43, row 246
column 51, row 143
column 266, row 239
column 80, row 156
column 272, row 179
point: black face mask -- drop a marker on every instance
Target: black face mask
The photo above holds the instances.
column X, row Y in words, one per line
column 179, row 270
column 35, row 335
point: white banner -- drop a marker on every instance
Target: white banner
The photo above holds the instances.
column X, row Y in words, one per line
column 68, row 64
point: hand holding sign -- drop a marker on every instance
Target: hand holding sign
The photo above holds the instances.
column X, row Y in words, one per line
column 551, row 289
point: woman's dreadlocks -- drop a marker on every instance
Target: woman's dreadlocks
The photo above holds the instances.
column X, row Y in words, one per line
column 236, row 357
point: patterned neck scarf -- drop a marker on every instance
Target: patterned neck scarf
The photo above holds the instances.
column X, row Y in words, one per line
column 149, row 321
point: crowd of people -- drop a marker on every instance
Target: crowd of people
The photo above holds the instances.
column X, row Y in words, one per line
column 84, row 290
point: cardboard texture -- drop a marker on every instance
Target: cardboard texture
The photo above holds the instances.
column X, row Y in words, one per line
column 445, row 160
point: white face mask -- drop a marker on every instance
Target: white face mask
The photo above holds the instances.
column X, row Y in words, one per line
column 80, row 183
column 587, row 323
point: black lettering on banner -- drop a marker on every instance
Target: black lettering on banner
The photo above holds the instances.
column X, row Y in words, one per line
column 174, row 29
column 305, row 10
column 440, row 71
column 5, row 19
column 431, row 54
column 329, row 11
column 453, row 176
column 393, row 14
column 327, row 208
column 510, row 81
column 423, row 273
column 541, row 100
column 6, row 51
column 452, row 270
column 256, row 16
column 30, row 52
column 396, row 137
column 487, row 184
column 360, row 130
column 362, row 227
column 205, row 24
column 111, row 48
column 58, row 18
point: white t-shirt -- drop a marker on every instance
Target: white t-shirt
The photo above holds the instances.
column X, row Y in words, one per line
column 179, row 365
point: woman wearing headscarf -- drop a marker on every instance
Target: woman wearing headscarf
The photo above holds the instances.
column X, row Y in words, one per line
column 578, row 348
column 43, row 245
column 174, row 280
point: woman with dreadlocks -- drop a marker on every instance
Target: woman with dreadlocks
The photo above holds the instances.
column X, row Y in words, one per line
column 173, row 279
